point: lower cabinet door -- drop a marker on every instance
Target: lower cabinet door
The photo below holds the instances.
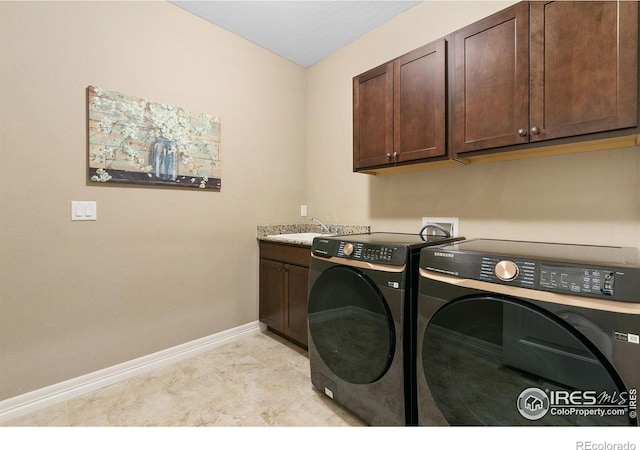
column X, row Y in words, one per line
column 272, row 294
column 296, row 311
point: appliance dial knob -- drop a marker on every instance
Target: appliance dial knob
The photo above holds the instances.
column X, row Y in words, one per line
column 506, row 270
column 348, row 249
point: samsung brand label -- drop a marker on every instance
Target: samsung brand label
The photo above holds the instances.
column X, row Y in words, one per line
column 444, row 255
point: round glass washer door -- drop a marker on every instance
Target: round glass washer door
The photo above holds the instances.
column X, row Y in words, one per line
column 351, row 325
column 502, row 361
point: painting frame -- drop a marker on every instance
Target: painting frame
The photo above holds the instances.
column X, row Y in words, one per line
column 138, row 141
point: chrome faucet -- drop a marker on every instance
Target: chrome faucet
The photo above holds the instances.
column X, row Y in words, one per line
column 323, row 227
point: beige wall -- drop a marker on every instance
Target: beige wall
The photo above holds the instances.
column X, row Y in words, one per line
column 583, row 198
column 159, row 267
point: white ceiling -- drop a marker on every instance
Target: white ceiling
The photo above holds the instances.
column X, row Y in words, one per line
column 301, row 31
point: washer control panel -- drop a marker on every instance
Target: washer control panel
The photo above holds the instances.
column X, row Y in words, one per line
column 376, row 253
column 360, row 251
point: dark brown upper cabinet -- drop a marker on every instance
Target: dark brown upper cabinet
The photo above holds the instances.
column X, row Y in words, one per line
column 584, row 67
column 373, row 117
column 491, row 81
column 542, row 71
column 399, row 110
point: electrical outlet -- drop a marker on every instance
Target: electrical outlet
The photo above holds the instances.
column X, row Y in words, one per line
column 450, row 223
column 303, row 210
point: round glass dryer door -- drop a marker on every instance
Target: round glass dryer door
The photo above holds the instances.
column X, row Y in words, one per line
column 351, row 325
column 497, row 361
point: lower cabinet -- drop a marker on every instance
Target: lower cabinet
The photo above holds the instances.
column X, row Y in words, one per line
column 284, row 281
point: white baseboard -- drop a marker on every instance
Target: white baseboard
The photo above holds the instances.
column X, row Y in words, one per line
column 21, row 405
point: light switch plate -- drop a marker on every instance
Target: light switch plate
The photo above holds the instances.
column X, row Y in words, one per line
column 84, row 210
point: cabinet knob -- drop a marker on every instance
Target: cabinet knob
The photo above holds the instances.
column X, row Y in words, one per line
column 535, row 130
column 522, row 132
column 395, row 155
column 388, row 155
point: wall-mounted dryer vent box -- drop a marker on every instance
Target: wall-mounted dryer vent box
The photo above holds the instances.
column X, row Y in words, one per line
column 450, row 223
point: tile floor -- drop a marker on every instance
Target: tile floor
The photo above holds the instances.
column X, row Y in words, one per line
column 260, row 380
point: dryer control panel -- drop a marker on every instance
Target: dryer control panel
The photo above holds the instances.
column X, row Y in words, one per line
column 611, row 273
column 552, row 277
column 581, row 280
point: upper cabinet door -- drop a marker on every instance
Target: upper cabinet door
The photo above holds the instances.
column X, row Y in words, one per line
column 583, row 67
column 490, row 81
column 373, row 117
column 419, row 88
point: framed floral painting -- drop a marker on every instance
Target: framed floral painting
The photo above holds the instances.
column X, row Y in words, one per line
column 134, row 140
